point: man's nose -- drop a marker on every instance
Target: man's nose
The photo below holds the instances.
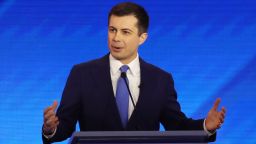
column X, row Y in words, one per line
column 117, row 36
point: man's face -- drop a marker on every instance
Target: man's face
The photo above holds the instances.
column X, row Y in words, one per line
column 123, row 37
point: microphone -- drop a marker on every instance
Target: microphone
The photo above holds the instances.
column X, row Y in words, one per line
column 123, row 75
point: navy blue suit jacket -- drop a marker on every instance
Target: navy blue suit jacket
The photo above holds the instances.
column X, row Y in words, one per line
column 88, row 98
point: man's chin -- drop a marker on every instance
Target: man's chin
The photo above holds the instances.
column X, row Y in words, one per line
column 117, row 56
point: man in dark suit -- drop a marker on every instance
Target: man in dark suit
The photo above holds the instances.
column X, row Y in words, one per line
column 92, row 93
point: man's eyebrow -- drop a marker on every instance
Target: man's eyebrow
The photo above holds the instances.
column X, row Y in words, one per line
column 127, row 29
column 123, row 29
column 112, row 27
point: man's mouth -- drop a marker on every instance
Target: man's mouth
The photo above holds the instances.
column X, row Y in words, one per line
column 116, row 49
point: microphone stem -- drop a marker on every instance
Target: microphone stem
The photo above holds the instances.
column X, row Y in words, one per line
column 129, row 90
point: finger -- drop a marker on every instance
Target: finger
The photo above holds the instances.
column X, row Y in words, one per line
column 223, row 109
column 49, row 115
column 58, row 122
column 220, row 118
column 51, row 122
column 222, row 114
column 54, row 125
column 47, row 109
column 216, row 104
column 54, row 105
column 219, row 126
column 49, row 118
column 51, row 112
column 51, row 125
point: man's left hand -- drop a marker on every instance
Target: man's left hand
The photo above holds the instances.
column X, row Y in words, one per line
column 215, row 118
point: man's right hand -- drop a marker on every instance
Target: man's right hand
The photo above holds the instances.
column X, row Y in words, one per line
column 51, row 121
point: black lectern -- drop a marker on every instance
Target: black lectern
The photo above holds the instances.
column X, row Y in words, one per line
column 139, row 137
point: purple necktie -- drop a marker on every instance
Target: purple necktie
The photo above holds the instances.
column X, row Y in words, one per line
column 122, row 96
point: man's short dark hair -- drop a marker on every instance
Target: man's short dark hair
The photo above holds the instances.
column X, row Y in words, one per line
column 129, row 8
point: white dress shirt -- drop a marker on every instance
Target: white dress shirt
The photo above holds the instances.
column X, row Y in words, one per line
column 133, row 75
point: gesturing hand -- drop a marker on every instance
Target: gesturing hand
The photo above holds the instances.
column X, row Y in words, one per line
column 215, row 118
column 50, row 119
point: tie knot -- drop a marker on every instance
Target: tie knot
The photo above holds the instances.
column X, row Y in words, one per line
column 124, row 68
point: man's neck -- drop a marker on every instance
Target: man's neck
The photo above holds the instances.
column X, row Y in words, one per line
column 126, row 61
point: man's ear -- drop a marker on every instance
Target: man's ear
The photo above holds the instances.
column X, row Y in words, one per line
column 143, row 38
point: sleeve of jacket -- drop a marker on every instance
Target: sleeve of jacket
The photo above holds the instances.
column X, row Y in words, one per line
column 68, row 110
column 172, row 117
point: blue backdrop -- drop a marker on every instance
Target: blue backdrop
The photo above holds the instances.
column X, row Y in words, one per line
column 208, row 45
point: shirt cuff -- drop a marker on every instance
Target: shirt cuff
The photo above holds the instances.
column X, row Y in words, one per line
column 49, row 136
column 209, row 133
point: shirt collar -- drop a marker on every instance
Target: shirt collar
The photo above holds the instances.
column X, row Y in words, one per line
column 134, row 65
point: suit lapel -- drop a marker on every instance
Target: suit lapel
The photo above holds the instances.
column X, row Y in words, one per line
column 111, row 119
column 135, row 121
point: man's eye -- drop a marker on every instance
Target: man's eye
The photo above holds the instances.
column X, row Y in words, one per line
column 112, row 30
column 126, row 32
